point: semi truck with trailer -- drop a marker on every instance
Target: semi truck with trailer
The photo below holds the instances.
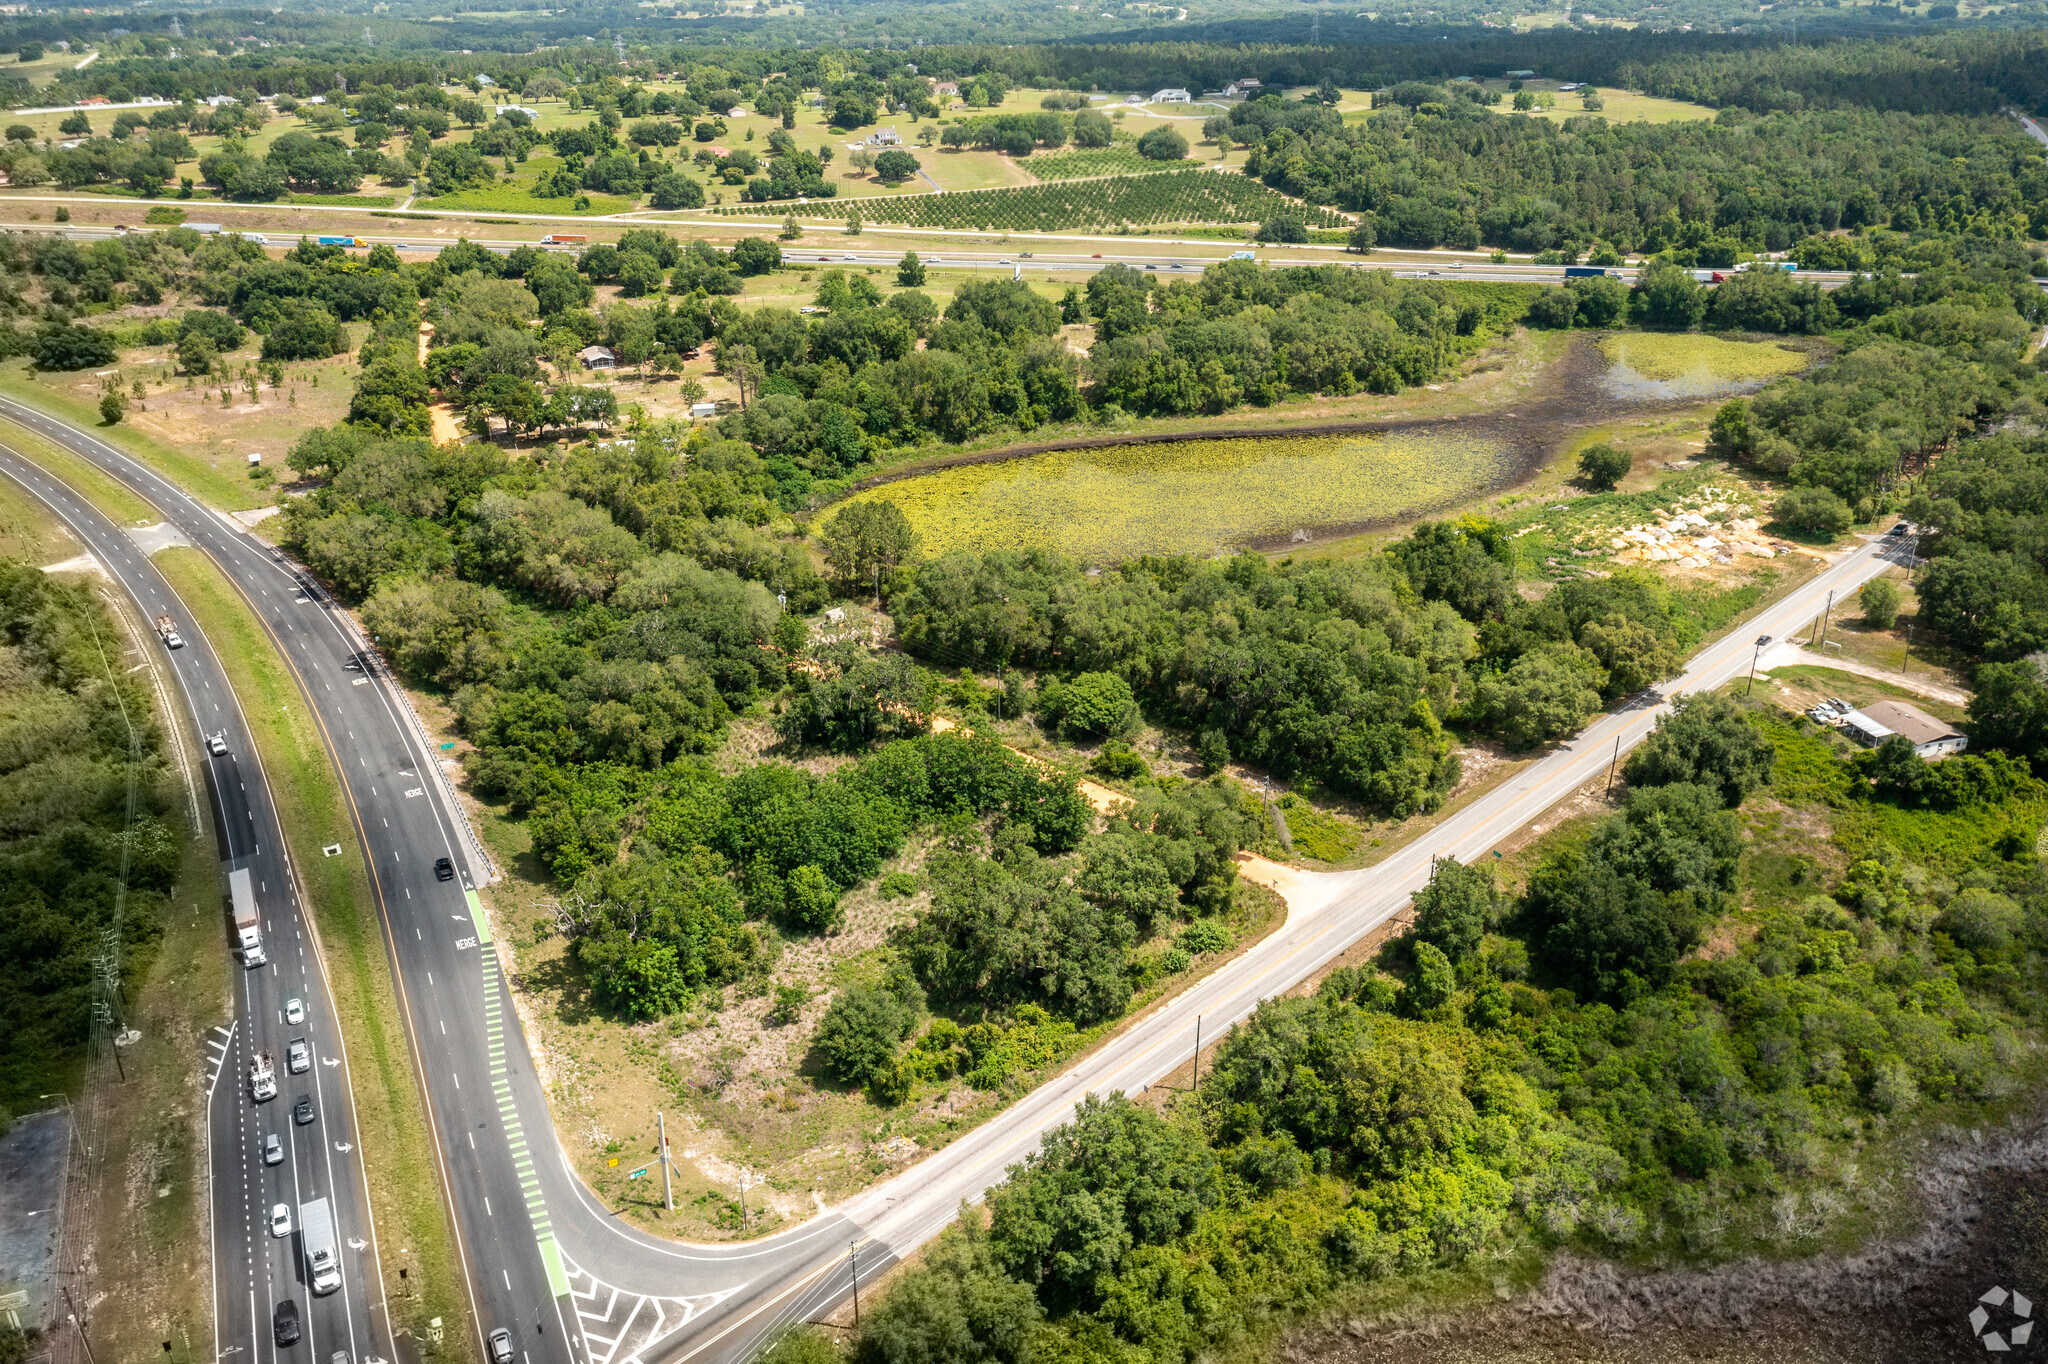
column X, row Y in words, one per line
column 316, row 1235
column 248, row 919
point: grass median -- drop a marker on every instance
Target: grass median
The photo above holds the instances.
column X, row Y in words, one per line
column 405, row 1188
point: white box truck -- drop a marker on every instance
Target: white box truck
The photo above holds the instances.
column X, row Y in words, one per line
column 316, row 1234
column 248, row 921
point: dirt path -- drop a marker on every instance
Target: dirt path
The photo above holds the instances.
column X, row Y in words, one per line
column 1304, row 891
column 1791, row 654
column 446, row 427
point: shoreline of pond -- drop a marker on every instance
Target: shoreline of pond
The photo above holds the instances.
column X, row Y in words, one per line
column 1569, row 399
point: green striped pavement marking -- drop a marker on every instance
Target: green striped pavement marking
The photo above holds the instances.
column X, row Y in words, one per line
column 551, row 1256
column 477, row 915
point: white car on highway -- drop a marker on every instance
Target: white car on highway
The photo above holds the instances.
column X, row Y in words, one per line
column 280, row 1219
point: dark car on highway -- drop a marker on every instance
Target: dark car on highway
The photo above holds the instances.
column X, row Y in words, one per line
column 284, row 1323
column 444, row 870
column 302, row 1111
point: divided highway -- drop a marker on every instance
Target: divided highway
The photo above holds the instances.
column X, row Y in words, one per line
column 542, row 1257
column 255, row 1269
column 472, row 1061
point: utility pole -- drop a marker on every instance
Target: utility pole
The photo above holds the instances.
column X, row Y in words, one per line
column 743, row 1200
column 661, row 1135
column 1821, row 630
column 853, row 1262
column 1611, row 764
column 1761, row 640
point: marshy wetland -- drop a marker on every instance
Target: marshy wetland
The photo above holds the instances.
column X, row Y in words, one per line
column 1102, row 501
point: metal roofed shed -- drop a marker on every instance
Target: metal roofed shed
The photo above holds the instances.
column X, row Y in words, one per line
column 1931, row 738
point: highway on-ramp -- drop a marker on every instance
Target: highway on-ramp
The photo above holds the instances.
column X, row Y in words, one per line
column 541, row 1255
column 255, row 1270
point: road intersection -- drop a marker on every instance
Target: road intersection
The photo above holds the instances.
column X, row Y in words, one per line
column 541, row 1255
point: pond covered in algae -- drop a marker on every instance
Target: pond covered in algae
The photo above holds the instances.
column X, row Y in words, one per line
column 1108, row 503
column 1660, row 366
column 1192, row 497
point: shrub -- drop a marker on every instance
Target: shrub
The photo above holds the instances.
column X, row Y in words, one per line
column 61, row 346
column 1880, row 599
column 1553, row 308
column 1163, row 144
column 1813, row 511
column 789, row 1004
column 1603, row 466
column 1706, row 740
column 1453, row 910
column 856, row 1039
column 1093, row 703
column 812, row 900
column 112, row 408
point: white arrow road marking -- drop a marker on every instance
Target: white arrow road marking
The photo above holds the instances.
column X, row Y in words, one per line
column 343, row 1147
column 356, row 1244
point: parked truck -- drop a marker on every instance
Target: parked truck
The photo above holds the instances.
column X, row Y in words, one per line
column 316, row 1234
column 263, row 1077
column 168, row 628
column 248, row 920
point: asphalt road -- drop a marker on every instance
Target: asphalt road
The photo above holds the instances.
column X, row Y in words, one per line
column 570, row 1278
column 254, row 1271
column 470, row 1058
column 1016, row 261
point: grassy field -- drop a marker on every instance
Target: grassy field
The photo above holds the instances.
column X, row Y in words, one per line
column 42, row 71
column 206, row 468
column 1804, row 684
column 516, row 195
column 1193, row 497
column 404, row 1186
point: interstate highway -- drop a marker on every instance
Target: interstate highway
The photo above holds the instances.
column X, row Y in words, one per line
column 463, row 1033
column 619, row 1294
column 1014, row 258
column 252, row 1270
